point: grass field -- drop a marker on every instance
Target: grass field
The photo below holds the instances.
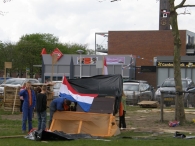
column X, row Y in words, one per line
column 10, row 135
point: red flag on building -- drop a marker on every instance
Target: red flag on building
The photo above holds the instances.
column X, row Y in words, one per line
column 58, row 52
column 43, row 51
column 104, row 69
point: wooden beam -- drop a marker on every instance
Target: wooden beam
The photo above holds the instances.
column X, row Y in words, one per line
column 80, row 125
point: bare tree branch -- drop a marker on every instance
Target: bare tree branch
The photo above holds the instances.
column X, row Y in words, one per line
column 188, row 6
column 6, row 1
column 181, row 5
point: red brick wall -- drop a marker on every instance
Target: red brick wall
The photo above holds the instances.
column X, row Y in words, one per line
column 147, row 45
column 147, row 76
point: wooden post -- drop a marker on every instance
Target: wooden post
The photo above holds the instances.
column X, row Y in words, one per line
column 161, row 106
column 14, row 100
column 54, row 61
column 6, row 65
column 5, row 74
column 4, row 94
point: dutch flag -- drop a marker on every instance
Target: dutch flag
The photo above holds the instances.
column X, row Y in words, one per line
column 84, row 100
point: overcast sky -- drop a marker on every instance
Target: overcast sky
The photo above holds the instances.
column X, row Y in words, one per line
column 77, row 21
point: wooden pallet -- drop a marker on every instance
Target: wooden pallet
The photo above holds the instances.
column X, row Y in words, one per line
column 149, row 104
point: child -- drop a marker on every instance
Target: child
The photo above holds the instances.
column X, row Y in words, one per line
column 122, row 111
column 41, row 107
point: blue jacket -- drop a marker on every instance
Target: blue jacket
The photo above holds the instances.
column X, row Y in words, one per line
column 24, row 93
column 57, row 104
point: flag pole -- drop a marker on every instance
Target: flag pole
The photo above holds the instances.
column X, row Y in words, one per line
column 103, row 65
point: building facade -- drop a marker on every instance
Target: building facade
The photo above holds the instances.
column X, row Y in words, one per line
column 147, row 45
column 91, row 65
column 165, row 69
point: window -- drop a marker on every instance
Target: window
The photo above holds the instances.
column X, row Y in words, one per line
column 130, row 87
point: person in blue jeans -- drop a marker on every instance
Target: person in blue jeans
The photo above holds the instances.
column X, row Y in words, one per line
column 28, row 106
column 41, row 107
column 58, row 104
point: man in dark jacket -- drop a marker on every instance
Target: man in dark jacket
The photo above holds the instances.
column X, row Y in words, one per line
column 41, row 107
column 28, row 106
column 58, row 104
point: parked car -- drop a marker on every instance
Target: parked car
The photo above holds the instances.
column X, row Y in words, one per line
column 56, row 88
column 137, row 90
column 16, row 82
column 2, row 79
column 168, row 87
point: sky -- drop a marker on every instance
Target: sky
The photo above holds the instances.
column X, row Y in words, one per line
column 77, row 21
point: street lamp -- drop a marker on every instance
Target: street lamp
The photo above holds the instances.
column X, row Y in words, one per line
column 80, row 60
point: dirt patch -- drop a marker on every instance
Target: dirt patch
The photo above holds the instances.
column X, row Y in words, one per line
column 147, row 120
column 150, row 120
column 12, row 117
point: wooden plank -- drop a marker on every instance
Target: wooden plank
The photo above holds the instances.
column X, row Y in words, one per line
column 52, row 123
column 109, row 124
column 13, row 136
column 148, row 104
column 80, row 125
column 14, row 100
column 11, row 97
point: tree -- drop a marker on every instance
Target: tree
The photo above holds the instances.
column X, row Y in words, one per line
column 7, row 55
column 71, row 48
column 90, row 52
column 26, row 52
column 179, row 105
column 29, row 47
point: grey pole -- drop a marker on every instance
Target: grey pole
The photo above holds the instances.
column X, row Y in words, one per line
column 80, row 65
column 80, row 52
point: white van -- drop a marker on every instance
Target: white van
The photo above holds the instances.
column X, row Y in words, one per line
column 56, row 88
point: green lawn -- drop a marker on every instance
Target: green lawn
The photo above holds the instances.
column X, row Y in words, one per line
column 130, row 138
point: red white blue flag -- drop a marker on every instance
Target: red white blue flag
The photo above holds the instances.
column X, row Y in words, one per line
column 84, row 100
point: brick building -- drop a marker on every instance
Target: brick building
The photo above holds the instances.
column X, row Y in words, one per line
column 146, row 45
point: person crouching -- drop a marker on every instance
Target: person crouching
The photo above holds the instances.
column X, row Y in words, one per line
column 58, row 104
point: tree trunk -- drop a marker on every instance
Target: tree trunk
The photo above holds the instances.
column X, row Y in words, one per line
column 179, row 103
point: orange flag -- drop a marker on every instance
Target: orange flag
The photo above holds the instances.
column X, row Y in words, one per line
column 43, row 51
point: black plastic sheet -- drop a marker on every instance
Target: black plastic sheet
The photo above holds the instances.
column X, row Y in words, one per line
column 103, row 85
column 43, row 135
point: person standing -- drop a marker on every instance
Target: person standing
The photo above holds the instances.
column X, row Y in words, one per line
column 21, row 97
column 122, row 111
column 58, row 104
column 41, row 107
column 28, row 106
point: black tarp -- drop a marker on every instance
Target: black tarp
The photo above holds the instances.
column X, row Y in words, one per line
column 71, row 69
column 103, row 85
column 43, row 135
